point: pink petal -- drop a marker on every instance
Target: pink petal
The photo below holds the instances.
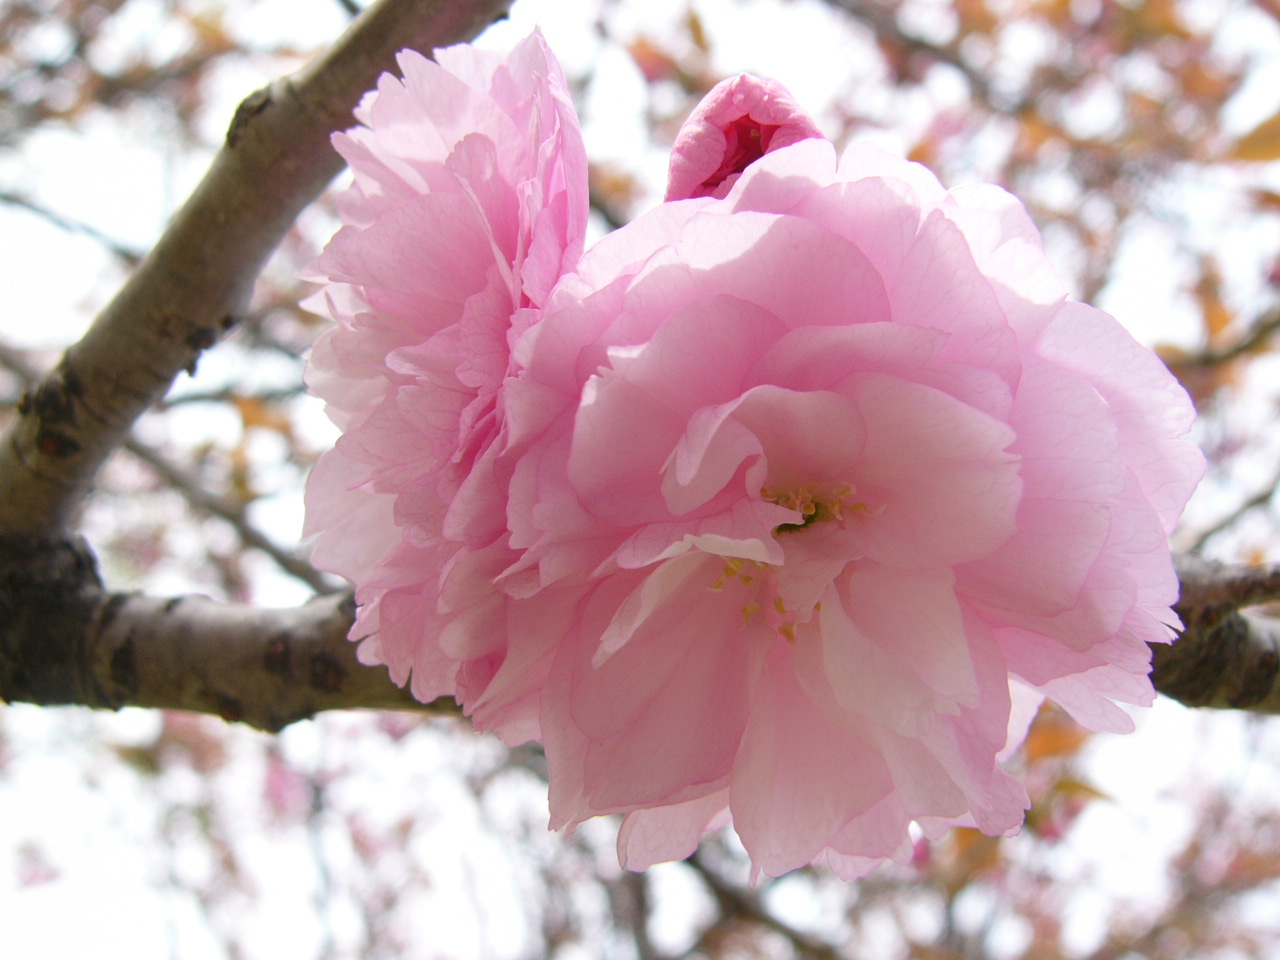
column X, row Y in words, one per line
column 801, row 776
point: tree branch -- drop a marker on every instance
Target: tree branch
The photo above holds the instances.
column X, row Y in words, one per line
column 1225, row 658
column 125, row 254
column 64, row 640
column 1253, row 340
column 1259, row 499
column 196, row 282
column 882, row 19
column 193, row 491
column 735, row 902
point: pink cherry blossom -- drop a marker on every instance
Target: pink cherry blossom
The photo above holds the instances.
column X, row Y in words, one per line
column 841, row 463
column 469, row 203
column 779, row 508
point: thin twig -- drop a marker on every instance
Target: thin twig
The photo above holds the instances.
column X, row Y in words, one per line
column 882, row 19
column 126, row 254
column 1259, row 499
column 191, row 490
column 742, row 904
column 230, row 395
column 1253, row 341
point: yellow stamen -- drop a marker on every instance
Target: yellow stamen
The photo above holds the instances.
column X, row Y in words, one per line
column 815, row 507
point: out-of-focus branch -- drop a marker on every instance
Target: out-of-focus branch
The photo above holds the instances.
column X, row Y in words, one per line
column 196, row 282
column 1227, row 657
column 63, row 640
column 632, row 910
column 601, row 205
column 1254, row 340
column 125, row 254
column 735, row 902
column 881, row 17
column 1259, row 499
column 194, row 493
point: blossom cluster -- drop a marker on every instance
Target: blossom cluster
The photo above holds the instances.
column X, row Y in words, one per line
column 775, row 508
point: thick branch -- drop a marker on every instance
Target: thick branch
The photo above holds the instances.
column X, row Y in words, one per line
column 196, row 282
column 1225, row 658
column 63, row 640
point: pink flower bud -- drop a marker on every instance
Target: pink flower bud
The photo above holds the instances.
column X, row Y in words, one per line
column 737, row 123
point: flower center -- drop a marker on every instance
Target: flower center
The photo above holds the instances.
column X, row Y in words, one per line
column 815, row 506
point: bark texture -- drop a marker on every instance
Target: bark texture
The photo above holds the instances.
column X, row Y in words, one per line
column 1228, row 656
column 65, row 640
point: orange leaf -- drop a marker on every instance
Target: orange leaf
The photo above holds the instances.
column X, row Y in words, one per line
column 697, row 32
column 968, row 854
column 1161, row 18
column 1260, row 144
column 1266, row 199
column 975, row 17
column 924, row 152
column 1053, row 735
column 1208, row 293
column 1077, row 789
column 654, row 62
column 256, row 413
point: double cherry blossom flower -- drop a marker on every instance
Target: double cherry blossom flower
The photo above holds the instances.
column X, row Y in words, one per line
column 768, row 508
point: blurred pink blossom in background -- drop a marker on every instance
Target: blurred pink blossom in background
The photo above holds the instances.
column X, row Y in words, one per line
column 772, row 508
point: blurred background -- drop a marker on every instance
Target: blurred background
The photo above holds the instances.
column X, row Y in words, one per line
column 1144, row 137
